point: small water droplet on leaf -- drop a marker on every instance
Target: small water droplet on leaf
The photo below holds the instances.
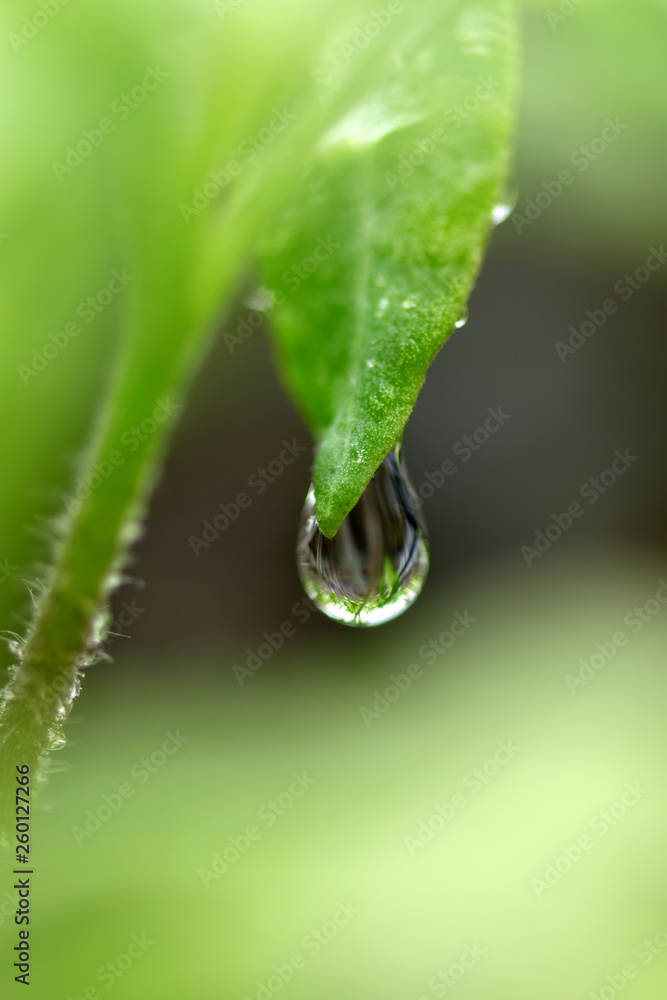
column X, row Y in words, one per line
column 462, row 320
column 374, row 567
column 504, row 208
column 56, row 739
column 500, row 212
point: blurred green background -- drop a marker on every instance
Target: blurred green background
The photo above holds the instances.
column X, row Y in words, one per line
column 546, row 871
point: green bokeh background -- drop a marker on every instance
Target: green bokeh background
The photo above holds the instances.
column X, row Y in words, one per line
column 505, row 679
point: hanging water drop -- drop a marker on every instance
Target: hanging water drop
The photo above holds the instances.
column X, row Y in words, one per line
column 504, row 208
column 374, row 567
column 500, row 212
column 462, row 320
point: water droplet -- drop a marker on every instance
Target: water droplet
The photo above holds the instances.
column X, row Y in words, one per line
column 410, row 302
column 382, row 306
column 462, row 320
column 374, row 568
column 506, row 205
column 56, row 739
column 500, row 212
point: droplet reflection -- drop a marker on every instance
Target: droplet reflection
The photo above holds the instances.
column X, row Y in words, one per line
column 374, row 568
column 506, row 205
column 462, row 320
column 500, row 212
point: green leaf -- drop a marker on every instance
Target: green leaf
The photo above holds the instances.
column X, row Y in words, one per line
column 160, row 157
column 373, row 260
column 156, row 157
